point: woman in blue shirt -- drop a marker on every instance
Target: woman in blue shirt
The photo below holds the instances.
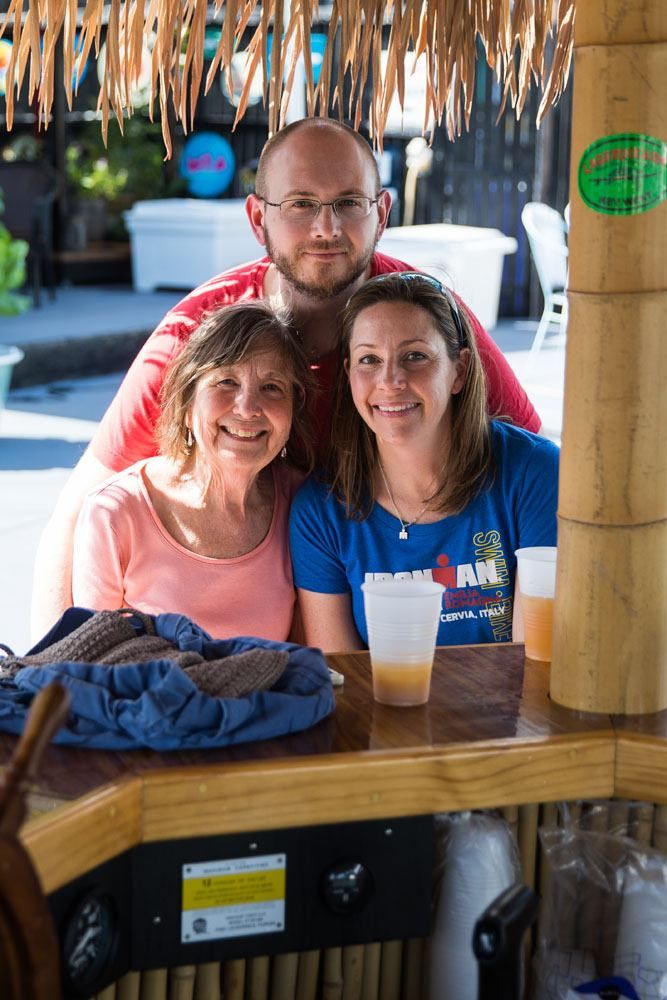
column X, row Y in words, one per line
column 420, row 482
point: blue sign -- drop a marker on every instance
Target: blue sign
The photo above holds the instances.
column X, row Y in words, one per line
column 318, row 44
column 207, row 164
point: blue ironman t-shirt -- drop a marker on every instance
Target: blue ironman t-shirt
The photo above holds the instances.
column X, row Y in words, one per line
column 471, row 553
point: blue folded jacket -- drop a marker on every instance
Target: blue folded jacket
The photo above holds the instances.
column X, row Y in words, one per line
column 156, row 705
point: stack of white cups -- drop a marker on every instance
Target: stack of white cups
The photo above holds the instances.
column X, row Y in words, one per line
column 478, row 867
column 641, row 945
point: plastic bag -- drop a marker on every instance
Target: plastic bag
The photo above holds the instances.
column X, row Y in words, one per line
column 477, row 859
column 603, row 928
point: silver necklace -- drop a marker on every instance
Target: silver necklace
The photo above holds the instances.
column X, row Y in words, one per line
column 403, row 533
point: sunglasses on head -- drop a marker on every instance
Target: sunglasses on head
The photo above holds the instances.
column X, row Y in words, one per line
column 444, row 291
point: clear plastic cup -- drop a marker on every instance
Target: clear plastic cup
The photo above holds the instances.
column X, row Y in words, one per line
column 536, row 569
column 402, row 617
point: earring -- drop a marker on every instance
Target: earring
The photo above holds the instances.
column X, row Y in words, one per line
column 283, row 453
column 189, row 440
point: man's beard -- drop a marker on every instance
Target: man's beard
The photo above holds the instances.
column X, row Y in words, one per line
column 327, row 287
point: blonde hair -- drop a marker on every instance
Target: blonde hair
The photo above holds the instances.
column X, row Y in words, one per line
column 353, row 453
column 226, row 337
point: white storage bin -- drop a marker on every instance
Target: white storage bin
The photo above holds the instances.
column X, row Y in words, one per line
column 181, row 242
column 468, row 259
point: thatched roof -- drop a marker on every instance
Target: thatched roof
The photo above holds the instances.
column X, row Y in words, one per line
column 515, row 35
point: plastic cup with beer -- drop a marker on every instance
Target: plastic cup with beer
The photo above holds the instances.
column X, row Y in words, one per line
column 537, row 585
column 402, row 618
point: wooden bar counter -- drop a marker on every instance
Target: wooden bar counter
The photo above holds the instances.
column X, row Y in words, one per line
column 490, row 736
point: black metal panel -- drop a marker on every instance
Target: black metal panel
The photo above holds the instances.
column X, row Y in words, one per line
column 140, row 893
column 397, row 853
column 110, row 883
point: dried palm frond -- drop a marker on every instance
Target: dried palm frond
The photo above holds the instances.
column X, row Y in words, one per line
column 515, row 35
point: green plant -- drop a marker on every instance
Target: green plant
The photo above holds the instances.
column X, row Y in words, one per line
column 130, row 167
column 93, row 178
column 22, row 147
column 13, row 255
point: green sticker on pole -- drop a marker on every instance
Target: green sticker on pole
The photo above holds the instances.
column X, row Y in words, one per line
column 624, row 174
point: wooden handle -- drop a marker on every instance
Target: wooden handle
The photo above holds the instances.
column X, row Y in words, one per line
column 46, row 716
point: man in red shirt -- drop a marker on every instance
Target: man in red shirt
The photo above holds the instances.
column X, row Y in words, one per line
column 319, row 210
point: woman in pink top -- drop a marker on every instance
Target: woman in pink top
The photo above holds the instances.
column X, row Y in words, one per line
column 201, row 528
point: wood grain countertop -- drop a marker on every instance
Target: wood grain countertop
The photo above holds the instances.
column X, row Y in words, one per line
column 489, row 736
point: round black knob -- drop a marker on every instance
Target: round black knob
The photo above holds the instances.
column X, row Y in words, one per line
column 346, row 886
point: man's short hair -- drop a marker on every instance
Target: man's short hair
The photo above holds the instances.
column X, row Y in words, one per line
column 330, row 124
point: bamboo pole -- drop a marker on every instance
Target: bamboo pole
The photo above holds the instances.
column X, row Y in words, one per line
column 371, row 981
column 610, row 628
column 234, row 979
column 641, row 822
column 207, row 983
column 107, row 994
column 332, row 981
column 129, row 986
column 528, row 817
column 306, row 982
column 258, row 978
column 660, row 829
column 353, row 971
column 182, row 982
column 413, row 969
column 284, row 976
column 154, row 984
column 390, row 970
column 511, row 817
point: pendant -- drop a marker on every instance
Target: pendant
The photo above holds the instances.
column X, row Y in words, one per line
column 403, row 534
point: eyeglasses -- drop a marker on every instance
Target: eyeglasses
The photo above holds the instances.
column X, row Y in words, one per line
column 349, row 208
column 444, row 291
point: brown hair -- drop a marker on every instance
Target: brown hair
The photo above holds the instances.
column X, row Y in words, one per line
column 353, row 452
column 277, row 140
column 226, row 337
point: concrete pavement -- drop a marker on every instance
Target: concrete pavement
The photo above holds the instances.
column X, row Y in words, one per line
column 44, row 429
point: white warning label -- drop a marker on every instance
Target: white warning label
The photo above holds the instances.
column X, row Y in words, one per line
column 233, row 898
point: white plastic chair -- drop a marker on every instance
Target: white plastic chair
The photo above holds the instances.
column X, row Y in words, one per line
column 546, row 231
